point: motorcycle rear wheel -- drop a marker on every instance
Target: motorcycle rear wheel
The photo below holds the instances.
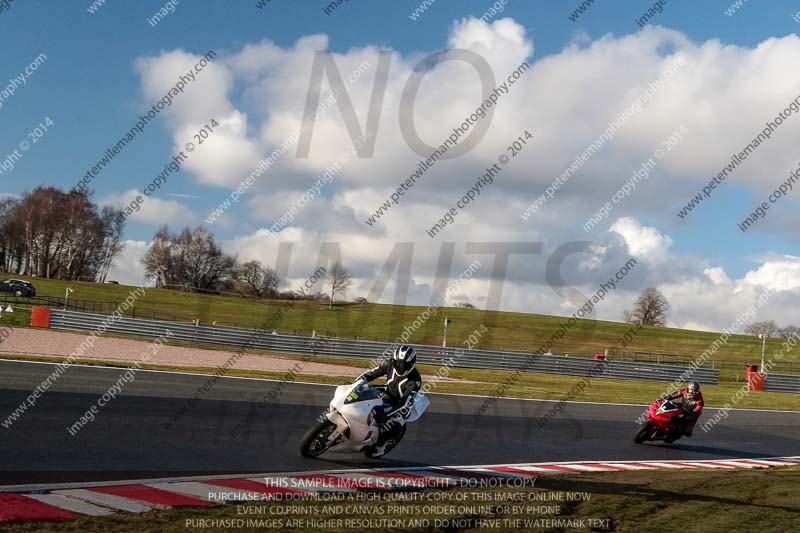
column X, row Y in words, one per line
column 315, row 442
column 643, row 433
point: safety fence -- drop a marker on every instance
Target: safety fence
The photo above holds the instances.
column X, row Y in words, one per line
column 782, row 383
column 55, row 302
column 371, row 350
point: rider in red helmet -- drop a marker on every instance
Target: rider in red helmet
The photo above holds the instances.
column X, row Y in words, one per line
column 692, row 403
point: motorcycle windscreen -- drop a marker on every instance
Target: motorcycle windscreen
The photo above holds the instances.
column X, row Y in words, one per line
column 667, row 407
column 421, row 402
column 363, row 394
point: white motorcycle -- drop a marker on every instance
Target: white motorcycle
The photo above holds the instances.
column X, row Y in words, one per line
column 350, row 426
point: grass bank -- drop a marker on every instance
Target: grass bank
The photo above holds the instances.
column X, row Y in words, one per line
column 507, row 331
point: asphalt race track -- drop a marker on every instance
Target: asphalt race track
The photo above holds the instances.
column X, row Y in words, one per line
column 128, row 439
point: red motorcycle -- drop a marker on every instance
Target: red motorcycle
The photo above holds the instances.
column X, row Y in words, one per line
column 664, row 422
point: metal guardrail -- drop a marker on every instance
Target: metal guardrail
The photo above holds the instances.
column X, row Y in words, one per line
column 782, row 383
column 371, row 350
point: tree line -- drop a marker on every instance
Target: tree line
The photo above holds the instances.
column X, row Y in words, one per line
column 50, row 233
column 771, row 329
column 650, row 309
column 192, row 260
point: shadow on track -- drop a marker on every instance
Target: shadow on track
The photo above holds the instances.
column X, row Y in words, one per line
column 708, row 450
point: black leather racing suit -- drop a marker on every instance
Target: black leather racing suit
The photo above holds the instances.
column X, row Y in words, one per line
column 400, row 387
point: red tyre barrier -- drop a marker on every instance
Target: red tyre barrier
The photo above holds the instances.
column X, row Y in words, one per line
column 40, row 317
column 755, row 380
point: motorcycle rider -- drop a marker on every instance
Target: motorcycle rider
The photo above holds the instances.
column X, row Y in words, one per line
column 403, row 381
column 692, row 403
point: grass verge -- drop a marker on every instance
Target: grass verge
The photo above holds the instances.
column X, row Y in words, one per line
column 509, row 331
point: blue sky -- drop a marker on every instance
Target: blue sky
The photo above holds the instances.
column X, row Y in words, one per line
column 89, row 86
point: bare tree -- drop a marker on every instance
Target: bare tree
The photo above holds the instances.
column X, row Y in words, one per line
column 340, row 280
column 789, row 331
column 114, row 226
column 55, row 234
column 768, row 328
column 158, row 259
column 650, row 309
column 191, row 260
column 253, row 278
column 10, row 244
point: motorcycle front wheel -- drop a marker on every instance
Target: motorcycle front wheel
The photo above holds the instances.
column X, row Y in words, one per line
column 643, row 433
column 316, row 442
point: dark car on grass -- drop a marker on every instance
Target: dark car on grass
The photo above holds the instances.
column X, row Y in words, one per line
column 17, row 287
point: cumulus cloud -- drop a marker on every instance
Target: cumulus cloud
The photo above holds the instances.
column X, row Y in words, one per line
column 152, row 210
column 229, row 152
column 778, row 273
column 722, row 95
column 550, row 99
column 128, row 268
column 717, row 275
column 644, row 242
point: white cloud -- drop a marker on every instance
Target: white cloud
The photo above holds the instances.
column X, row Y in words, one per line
column 644, row 242
column 550, row 99
column 228, row 153
column 725, row 93
column 701, row 297
column 128, row 268
column 779, row 273
column 152, row 210
column 717, row 275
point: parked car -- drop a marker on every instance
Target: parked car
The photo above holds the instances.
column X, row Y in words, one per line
column 17, row 287
column 112, row 282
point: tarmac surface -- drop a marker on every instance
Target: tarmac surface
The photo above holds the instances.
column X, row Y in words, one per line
column 155, row 428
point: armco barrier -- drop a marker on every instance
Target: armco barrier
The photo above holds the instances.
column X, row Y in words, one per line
column 782, row 383
column 360, row 349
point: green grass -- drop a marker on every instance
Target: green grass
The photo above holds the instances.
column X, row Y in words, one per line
column 508, row 331
column 528, row 385
column 650, row 501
